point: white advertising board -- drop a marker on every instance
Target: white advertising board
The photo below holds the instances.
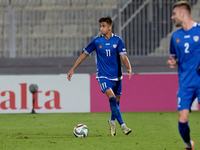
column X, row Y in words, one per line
column 55, row 93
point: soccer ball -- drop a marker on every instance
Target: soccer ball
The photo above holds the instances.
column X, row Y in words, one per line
column 81, row 130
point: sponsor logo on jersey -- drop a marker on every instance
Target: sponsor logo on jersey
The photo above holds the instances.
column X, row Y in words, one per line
column 196, row 38
column 115, row 45
column 100, row 46
column 178, row 41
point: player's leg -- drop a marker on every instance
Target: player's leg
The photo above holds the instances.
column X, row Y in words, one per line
column 113, row 105
column 183, row 127
column 185, row 99
column 106, row 85
column 118, row 101
column 111, row 121
column 114, row 110
column 117, row 88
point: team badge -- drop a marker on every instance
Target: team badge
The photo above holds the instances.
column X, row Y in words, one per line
column 196, row 38
column 114, row 45
column 100, row 46
column 178, row 41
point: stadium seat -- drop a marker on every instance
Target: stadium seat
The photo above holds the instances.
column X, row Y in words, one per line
column 1, row 46
column 51, row 17
column 78, row 3
column 111, row 4
column 4, row 2
column 1, row 15
column 55, row 30
column 84, row 30
column 48, row 2
column 6, row 18
column 6, row 31
column 40, row 31
column 27, row 30
column 70, row 30
column 63, row 2
column 94, row 4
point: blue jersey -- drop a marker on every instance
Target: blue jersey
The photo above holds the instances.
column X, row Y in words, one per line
column 107, row 56
column 185, row 45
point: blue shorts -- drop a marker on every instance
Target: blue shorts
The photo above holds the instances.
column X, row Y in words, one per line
column 106, row 84
column 186, row 96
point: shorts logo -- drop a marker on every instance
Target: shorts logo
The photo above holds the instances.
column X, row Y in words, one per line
column 114, row 45
column 196, row 38
column 100, row 46
column 178, row 41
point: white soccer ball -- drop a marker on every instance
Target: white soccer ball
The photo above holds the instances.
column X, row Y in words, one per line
column 81, row 130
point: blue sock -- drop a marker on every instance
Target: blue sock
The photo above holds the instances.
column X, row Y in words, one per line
column 112, row 115
column 184, row 131
column 115, row 110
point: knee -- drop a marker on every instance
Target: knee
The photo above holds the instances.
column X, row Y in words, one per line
column 183, row 116
column 183, row 119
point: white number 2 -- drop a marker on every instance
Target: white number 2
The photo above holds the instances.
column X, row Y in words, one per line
column 178, row 102
column 186, row 47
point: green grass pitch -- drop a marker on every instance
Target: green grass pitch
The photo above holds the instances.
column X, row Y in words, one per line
column 150, row 131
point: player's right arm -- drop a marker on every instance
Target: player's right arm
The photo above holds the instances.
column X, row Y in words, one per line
column 172, row 61
column 77, row 63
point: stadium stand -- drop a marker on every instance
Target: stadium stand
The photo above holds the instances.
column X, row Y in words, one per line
column 164, row 42
column 55, row 32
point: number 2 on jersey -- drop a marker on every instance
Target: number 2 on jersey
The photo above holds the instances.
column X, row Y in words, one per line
column 187, row 47
column 178, row 102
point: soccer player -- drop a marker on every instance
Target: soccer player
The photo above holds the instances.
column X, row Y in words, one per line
column 109, row 47
column 185, row 51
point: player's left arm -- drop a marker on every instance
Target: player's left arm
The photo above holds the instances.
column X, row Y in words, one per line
column 127, row 64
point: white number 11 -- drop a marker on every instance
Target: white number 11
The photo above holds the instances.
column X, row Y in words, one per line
column 108, row 53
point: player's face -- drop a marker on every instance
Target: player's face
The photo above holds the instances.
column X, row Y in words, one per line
column 177, row 16
column 105, row 28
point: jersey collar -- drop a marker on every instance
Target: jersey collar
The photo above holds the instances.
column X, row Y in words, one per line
column 111, row 35
column 195, row 24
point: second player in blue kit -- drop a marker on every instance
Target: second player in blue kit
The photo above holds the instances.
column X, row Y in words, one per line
column 185, row 51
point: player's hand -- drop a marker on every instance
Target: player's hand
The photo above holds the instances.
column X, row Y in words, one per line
column 69, row 75
column 130, row 73
column 171, row 62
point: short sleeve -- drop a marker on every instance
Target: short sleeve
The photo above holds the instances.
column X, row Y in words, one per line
column 90, row 47
column 121, row 47
column 172, row 48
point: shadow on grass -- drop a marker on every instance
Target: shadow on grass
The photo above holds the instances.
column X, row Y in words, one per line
column 49, row 136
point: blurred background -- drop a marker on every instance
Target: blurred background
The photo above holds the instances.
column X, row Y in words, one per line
column 47, row 36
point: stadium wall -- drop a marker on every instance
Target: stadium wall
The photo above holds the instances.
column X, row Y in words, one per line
column 144, row 92
column 55, row 94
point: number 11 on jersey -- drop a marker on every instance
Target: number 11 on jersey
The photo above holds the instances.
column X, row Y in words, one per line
column 108, row 54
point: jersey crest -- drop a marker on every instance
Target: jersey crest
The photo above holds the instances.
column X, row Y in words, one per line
column 196, row 38
column 178, row 41
column 115, row 45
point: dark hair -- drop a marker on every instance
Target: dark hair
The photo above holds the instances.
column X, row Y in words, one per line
column 108, row 20
column 185, row 4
